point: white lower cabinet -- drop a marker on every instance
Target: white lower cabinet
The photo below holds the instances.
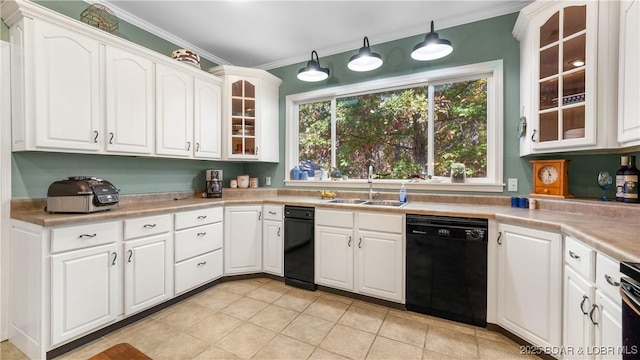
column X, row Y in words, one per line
column 198, row 248
column 368, row 260
column 272, row 243
column 84, row 292
column 592, row 314
column 243, row 239
column 148, row 262
column 530, row 284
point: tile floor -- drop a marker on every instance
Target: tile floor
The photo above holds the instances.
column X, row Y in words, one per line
column 265, row 319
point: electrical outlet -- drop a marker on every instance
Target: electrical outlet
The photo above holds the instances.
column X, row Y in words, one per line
column 267, row 181
column 513, row 185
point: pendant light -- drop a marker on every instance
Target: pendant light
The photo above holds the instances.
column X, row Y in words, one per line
column 432, row 47
column 365, row 60
column 313, row 72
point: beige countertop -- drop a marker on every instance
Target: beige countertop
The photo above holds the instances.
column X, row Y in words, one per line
column 617, row 236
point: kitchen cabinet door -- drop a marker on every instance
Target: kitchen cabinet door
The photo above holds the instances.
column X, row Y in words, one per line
column 629, row 75
column 568, row 72
column 84, row 293
column 130, row 102
column 379, row 265
column 174, row 112
column 148, row 272
column 273, row 252
column 206, row 121
column 334, row 257
column 243, row 239
column 607, row 319
column 530, row 284
column 579, row 296
column 67, row 84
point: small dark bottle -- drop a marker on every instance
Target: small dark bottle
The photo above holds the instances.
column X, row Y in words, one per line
column 624, row 161
column 631, row 181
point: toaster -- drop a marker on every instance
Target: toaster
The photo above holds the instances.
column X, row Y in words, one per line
column 81, row 194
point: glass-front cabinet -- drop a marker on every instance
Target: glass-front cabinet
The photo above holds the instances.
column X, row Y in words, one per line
column 567, row 97
column 250, row 114
column 243, row 118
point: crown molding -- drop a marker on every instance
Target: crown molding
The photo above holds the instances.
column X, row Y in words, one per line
column 144, row 25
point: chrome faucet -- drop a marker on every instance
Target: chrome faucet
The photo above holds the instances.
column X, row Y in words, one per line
column 372, row 194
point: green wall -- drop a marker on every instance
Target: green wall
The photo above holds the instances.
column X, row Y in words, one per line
column 491, row 39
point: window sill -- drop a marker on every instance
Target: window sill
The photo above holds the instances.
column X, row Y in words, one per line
column 395, row 185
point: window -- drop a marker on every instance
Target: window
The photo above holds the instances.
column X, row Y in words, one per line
column 409, row 128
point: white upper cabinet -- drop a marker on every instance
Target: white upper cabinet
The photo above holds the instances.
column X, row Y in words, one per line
column 206, row 119
column 250, row 115
column 58, row 94
column 174, row 112
column 130, row 102
column 568, row 72
column 629, row 75
column 78, row 89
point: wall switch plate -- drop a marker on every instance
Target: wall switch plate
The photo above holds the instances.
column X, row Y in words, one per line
column 512, row 185
column 267, row 181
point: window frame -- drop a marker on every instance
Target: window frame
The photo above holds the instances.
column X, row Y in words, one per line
column 493, row 70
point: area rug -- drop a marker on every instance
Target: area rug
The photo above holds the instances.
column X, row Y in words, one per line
column 122, row 351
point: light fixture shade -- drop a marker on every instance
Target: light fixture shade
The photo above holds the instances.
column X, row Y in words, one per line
column 365, row 60
column 432, row 47
column 313, row 71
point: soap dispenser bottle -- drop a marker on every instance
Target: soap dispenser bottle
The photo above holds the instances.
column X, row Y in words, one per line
column 403, row 194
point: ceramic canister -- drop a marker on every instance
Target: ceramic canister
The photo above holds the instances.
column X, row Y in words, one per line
column 253, row 183
column 243, row 181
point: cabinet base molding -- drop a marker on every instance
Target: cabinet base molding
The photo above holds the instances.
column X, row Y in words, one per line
column 368, row 299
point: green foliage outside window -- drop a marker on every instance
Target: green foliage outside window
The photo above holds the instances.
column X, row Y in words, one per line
column 389, row 130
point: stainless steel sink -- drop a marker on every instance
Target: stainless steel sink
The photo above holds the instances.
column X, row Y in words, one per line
column 347, row 201
column 395, row 203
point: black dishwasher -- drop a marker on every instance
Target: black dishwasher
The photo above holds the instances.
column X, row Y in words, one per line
column 298, row 247
column 447, row 267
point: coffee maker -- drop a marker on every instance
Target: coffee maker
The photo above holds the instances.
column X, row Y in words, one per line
column 213, row 180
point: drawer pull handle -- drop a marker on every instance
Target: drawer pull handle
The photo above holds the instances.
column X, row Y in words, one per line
column 278, row 231
column 584, row 298
column 499, row 236
column 611, row 281
column 202, row 233
column 115, row 256
column 111, row 135
column 259, row 215
column 149, row 226
column 95, row 138
column 360, row 243
column 272, row 212
column 593, row 309
column 202, row 263
column 532, row 135
column 130, row 255
column 201, row 217
column 574, row 255
column 87, row 236
column 349, row 243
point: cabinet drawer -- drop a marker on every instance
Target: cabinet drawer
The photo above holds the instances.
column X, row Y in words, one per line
column 197, row 241
column 150, row 225
column 193, row 218
column 197, row 271
column 580, row 257
column 272, row 212
column 608, row 272
column 78, row 237
column 334, row 218
column 391, row 223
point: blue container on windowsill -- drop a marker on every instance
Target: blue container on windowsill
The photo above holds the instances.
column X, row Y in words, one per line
column 295, row 173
